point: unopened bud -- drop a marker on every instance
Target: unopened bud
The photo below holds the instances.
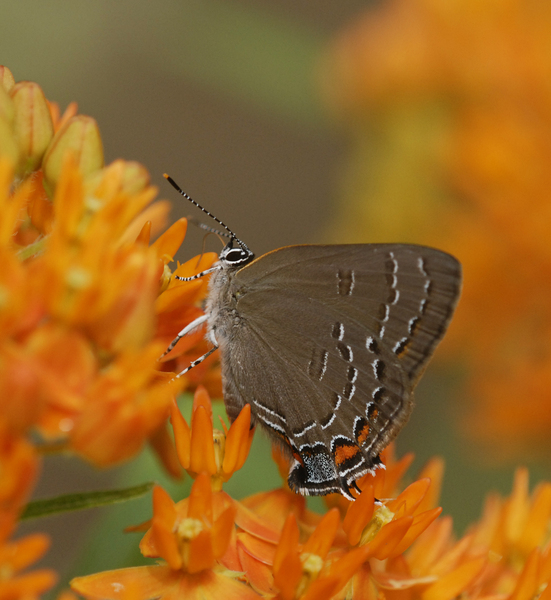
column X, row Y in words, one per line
column 6, row 78
column 135, row 177
column 6, row 105
column 32, row 124
column 8, row 145
column 132, row 177
column 81, row 136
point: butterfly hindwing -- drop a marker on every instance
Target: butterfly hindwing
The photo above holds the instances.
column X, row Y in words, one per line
column 326, row 343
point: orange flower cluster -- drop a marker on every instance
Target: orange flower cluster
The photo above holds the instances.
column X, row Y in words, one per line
column 449, row 105
column 271, row 546
column 87, row 305
column 86, row 308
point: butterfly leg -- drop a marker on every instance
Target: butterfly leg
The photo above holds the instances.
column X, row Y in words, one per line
column 197, row 361
column 187, row 329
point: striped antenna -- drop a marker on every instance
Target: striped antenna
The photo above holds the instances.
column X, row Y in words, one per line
column 200, row 225
column 231, row 235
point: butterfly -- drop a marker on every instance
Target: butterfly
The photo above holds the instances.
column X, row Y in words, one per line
column 326, row 344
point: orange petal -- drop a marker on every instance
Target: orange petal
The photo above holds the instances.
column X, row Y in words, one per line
column 434, row 470
column 200, row 499
column 527, row 583
column 452, row 556
column 546, row 594
column 288, row 575
column 358, row 515
column 69, row 113
column 30, row 585
column 340, row 573
column 326, row 587
column 435, row 541
column 389, row 537
column 157, row 213
column 222, row 530
column 260, row 550
column 237, row 440
column 258, row 573
column 142, row 239
column 346, row 566
column 165, row 544
column 162, row 445
column 253, row 524
column 406, row 503
column 321, row 540
column 288, row 543
column 452, row 584
column 202, row 445
column 201, row 555
column 182, row 435
column 68, row 197
column 162, row 538
column 517, row 508
column 545, row 570
column 152, row 582
column 163, row 506
column 420, row 523
column 209, row 585
column 536, row 525
column 168, row 243
column 24, row 552
column 386, row 481
column 202, row 398
column 230, row 560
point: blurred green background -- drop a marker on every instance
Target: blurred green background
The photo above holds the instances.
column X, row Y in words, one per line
column 223, row 95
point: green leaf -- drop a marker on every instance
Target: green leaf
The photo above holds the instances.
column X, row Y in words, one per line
column 71, row 502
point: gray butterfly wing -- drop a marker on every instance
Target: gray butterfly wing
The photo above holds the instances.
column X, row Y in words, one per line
column 326, row 344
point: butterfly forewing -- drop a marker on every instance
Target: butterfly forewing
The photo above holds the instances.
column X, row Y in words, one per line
column 326, row 343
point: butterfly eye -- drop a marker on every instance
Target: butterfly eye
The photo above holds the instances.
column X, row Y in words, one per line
column 236, row 256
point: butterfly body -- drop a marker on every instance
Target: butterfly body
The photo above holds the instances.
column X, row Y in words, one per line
column 326, row 344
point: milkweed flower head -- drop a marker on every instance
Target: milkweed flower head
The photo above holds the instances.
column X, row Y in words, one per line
column 204, row 449
column 82, row 291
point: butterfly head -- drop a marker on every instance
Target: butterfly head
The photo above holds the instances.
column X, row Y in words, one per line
column 236, row 257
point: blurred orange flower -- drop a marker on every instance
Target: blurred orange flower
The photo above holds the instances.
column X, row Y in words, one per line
column 87, row 303
column 18, row 469
column 448, row 108
column 15, row 557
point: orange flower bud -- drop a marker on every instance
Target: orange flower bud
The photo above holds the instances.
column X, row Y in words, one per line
column 33, row 126
column 134, row 177
column 6, row 105
column 81, row 136
column 6, row 78
column 8, row 145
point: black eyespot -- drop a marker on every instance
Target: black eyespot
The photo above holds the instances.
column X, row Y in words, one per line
column 235, row 255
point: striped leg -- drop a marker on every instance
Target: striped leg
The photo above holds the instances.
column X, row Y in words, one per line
column 198, row 276
column 187, row 329
column 192, row 327
column 197, row 362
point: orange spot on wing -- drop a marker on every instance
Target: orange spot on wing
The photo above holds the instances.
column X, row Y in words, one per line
column 363, row 434
column 344, row 452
